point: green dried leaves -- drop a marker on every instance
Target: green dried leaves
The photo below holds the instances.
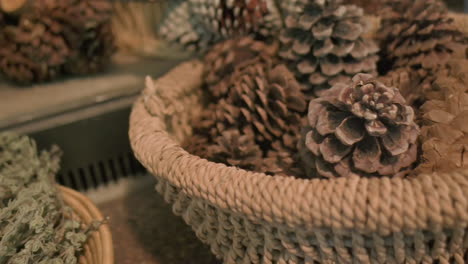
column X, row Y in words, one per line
column 35, row 225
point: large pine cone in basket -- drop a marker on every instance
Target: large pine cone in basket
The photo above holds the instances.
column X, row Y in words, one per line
column 323, row 45
column 418, row 35
column 264, row 101
column 236, row 149
column 445, row 121
column 364, row 128
column 230, row 56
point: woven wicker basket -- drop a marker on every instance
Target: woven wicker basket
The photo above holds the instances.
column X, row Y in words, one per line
column 253, row 218
column 99, row 248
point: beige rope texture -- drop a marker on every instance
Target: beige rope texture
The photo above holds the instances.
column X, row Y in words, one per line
column 251, row 217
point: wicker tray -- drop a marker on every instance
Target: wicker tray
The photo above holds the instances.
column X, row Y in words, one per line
column 99, row 248
column 250, row 217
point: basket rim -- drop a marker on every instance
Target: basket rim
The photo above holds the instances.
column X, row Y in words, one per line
column 83, row 206
column 367, row 205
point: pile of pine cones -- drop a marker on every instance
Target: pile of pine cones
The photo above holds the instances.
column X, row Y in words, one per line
column 327, row 100
column 41, row 40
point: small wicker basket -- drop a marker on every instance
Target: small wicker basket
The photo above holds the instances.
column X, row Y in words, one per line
column 99, row 249
column 250, row 217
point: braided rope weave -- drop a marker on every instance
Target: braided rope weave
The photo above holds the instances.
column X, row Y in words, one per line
column 250, row 217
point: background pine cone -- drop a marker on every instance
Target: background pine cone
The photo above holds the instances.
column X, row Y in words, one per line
column 232, row 55
column 33, row 50
column 264, row 101
column 369, row 6
column 324, row 45
column 445, row 121
column 408, row 82
column 56, row 37
column 418, row 35
column 197, row 25
column 87, row 30
column 236, row 149
column 238, row 17
column 363, row 128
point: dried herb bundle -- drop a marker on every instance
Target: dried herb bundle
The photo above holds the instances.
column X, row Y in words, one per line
column 362, row 128
column 35, row 225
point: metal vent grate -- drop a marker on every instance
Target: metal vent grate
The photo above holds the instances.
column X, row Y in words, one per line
column 96, row 150
column 101, row 172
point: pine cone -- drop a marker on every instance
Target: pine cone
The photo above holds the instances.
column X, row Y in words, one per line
column 236, row 149
column 418, row 35
column 57, row 37
column 33, row 51
column 179, row 26
column 95, row 52
column 240, row 150
column 237, row 17
column 408, row 82
column 87, row 30
column 283, row 161
column 324, row 45
column 445, row 121
column 197, row 25
column 364, row 128
column 197, row 145
column 369, row 6
column 264, row 101
column 231, row 55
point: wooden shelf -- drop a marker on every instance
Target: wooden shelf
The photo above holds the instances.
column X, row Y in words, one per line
column 125, row 79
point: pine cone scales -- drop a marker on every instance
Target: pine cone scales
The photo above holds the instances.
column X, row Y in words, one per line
column 32, row 51
column 445, row 121
column 360, row 129
column 198, row 24
column 95, row 52
column 231, row 17
column 86, row 30
column 236, row 149
column 324, row 44
column 57, row 37
column 231, row 55
column 181, row 27
column 267, row 100
column 408, row 82
column 418, row 34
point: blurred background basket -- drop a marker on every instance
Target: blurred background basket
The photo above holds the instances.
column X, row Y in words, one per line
column 250, row 217
column 98, row 249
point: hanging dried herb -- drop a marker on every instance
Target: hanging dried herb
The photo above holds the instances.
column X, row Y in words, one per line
column 35, row 225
